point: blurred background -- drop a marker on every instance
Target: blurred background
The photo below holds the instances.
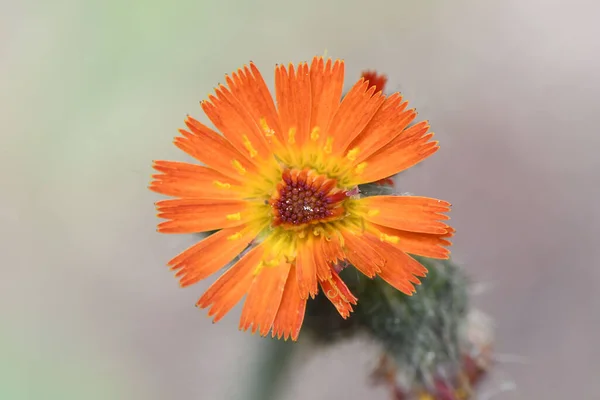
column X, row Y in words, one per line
column 92, row 91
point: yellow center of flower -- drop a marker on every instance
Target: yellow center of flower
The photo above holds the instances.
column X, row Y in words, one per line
column 306, row 197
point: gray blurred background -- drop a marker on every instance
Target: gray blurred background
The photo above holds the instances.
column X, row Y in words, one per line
column 92, row 91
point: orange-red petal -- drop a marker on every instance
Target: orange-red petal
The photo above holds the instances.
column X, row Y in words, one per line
column 250, row 88
column 264, row 298
column 375, row 79
column 400, row 270
column 188, row 180
column 326, row 82
column 408, row 213
column 236, row 124
column 421, row 244
column 291, row 310
column 332, row 250
column 229, row 289
column 212, row 149
column 210, row 254
column 306, row 268
column 450, row 233
column 362, row 254
column 405, row 150
column 321, row 259
column 201, row 215
column 338, row 293
column 292, row 91
column 357, row 108
column 388, row 122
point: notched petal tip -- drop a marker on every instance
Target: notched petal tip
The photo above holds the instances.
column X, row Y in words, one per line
column 446, row 256
column 320, row 61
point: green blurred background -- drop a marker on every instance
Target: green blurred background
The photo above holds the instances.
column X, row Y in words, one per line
column 92, row 91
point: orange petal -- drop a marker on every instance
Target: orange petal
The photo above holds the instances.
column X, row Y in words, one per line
column 338, row 293
column 450, row 233
column 408, row 213
column 375, row 79
column 291, row 310
column 250, row 88
column 388, row 122
column 326, row 84
column 400, row 270
column 188, row 180
column 237, row 125
column 404, row 151
column 320, row 255
column 201, row 215
column 306, row 268
column 342, row 288
column 211, row 254
column 229, row 289
column 264, row 298
column 421, row 244
column 357, row 108
column 212, row 149
column 362, row 254
column 332, row 249
column 292, row 91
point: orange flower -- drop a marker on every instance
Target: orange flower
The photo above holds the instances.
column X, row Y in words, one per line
column 280, row 187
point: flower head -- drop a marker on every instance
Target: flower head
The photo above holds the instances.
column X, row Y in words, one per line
column 280, row 186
